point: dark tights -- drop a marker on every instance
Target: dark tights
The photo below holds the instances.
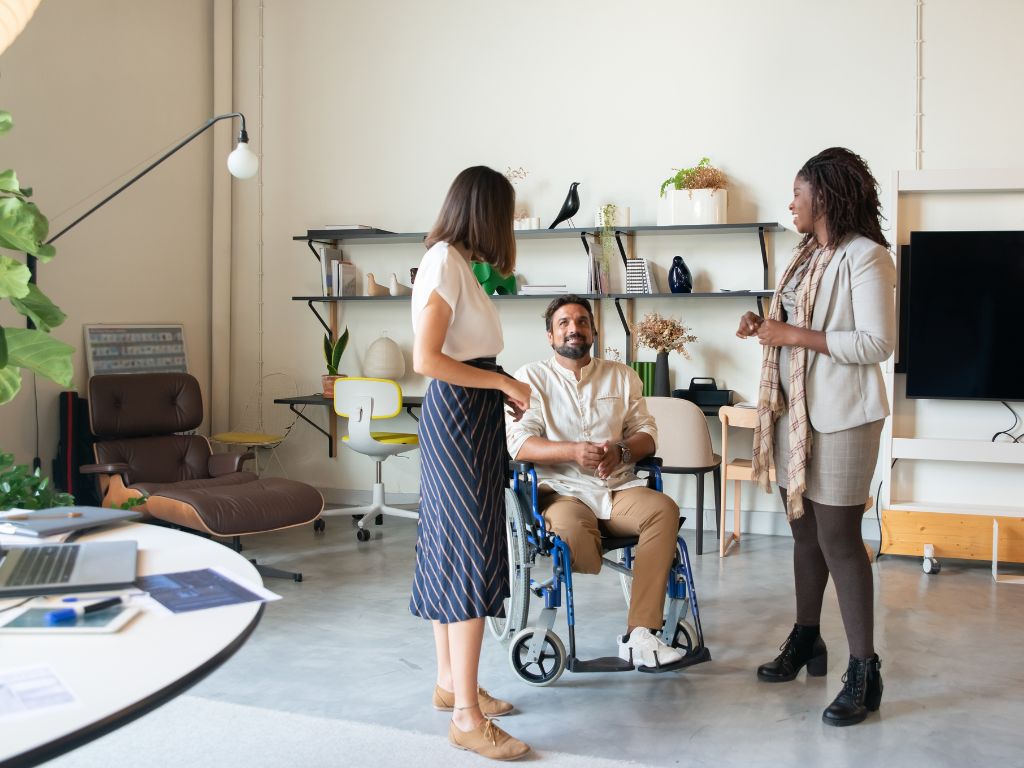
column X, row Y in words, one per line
column 827, row 540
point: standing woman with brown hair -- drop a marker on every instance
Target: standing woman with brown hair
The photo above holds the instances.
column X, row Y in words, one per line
column 461, row 556
column 820, row 409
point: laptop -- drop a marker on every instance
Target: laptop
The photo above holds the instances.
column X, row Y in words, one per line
column 58, row 568
column 54, row 520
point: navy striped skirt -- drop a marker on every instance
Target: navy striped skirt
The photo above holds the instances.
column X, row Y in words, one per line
column 461, row 551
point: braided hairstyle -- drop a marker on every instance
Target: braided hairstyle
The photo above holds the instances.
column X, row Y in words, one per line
column 845, row 193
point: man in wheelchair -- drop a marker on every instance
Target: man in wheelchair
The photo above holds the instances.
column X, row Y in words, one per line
column 586, row 427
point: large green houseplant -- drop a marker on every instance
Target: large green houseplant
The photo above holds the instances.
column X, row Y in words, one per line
column 23, row 230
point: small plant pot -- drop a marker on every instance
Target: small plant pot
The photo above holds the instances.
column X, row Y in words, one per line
column 327, row 384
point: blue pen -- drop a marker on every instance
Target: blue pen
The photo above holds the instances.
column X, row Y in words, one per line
column 70, row 614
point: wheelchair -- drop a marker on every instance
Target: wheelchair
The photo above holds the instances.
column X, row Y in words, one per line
column 536, row 653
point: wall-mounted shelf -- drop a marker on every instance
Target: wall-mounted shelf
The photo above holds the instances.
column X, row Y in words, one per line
column 372, row 236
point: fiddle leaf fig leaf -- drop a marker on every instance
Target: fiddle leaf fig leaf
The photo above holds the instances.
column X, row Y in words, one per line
column 23, row 228
column 14, row 278
column 9, row 182
column 6, row 121
column 10, row 383
column 37, row 306
column 40, row 352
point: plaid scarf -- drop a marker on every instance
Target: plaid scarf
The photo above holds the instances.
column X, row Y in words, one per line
column 770, row 400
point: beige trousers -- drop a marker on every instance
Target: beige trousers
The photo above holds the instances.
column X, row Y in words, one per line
column 642, row 512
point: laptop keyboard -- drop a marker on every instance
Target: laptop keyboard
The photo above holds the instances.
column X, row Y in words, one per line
column 44, row 565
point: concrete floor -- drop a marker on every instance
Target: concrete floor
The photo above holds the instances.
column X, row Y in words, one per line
column 342, row 644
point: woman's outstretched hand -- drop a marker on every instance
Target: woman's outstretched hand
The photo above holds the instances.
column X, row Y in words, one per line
column 749, row 324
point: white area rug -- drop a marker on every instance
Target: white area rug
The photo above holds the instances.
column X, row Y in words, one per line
column 191, row 731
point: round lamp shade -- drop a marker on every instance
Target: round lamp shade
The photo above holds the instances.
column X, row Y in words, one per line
column 384, row 360
column 14, row 15
column 242, row 163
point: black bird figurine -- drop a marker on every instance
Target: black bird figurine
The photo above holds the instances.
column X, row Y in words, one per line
column 569, row 208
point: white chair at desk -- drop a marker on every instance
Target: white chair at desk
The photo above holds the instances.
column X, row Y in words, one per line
column 362, row 400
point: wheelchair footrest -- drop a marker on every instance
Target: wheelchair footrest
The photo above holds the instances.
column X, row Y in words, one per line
column 697, row 657
column 603, row 664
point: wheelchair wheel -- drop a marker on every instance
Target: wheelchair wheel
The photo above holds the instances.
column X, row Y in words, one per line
column 685, row 637
column 517, row 606
column 547, row 668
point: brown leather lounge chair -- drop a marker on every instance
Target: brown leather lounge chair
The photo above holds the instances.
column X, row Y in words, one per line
column 137, row 420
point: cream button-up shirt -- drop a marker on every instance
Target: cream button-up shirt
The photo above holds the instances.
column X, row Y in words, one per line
column 606, row 404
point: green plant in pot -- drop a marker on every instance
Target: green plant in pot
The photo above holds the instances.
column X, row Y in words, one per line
column 333, row 350
column 23, row 229
column 705, row 200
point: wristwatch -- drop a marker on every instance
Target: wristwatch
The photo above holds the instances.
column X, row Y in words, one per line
column 625, row 455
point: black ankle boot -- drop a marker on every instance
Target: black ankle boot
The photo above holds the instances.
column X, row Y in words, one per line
column 862, row 693
column 803, row 647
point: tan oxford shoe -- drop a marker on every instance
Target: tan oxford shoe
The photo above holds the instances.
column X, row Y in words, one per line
column 489, row 706
column 487, row 740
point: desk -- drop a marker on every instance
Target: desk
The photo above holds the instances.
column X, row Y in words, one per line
column 119, row 677
column 331, row 433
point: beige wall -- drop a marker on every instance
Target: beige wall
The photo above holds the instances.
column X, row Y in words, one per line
column 371, row 108
column 97, row 90
column 366, row 111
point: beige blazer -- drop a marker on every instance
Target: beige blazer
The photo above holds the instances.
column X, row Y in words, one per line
column 855, row 307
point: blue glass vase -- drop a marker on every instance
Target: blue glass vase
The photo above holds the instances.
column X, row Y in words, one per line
column 679, row 278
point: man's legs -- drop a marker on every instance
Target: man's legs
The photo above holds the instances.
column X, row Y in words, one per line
column 654, row 517
column 575, row 524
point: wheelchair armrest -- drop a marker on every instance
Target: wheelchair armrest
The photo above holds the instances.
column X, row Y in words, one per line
column 521, row 466
column 650, row 461
column 227, row 463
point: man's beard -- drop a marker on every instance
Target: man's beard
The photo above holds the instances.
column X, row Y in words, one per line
column 573, row 352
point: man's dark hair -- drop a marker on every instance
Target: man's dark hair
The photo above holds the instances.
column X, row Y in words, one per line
column 561, row 301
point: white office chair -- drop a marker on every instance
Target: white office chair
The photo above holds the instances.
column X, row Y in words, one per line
column 684, row 445
column 361, row 400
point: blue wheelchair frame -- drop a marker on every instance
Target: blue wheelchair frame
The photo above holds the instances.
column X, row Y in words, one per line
column 536, row 645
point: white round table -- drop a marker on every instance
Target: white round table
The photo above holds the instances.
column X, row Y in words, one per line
column 120, row 676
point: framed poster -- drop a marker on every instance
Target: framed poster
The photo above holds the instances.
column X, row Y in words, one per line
column 135, row 348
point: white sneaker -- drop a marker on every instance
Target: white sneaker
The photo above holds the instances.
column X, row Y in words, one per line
column 643, row 649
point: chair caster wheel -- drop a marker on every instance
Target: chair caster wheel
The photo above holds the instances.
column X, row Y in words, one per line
column 297, row 577
column 319, row 525
column 930, row 565
column 363, row 535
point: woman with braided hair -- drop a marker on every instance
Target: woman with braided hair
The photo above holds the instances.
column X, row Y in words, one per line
column 820, row 409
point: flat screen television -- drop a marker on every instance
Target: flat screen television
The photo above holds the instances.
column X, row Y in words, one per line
column 961, row 298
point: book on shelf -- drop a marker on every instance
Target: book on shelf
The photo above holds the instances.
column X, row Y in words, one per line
column 639, row 278
column 337, row 274
column 536, row 290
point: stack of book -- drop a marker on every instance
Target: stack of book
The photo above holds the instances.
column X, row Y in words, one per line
column 337, row 275
column 638, row 276
column 540, row 290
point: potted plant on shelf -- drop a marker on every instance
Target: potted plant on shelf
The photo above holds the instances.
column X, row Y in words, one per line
column 696, row 195
column 663, row 335
column 23, row 229
column 333, row 350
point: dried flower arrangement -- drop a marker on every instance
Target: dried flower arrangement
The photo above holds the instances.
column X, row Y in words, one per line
column 663, row 334
column 516, row 175
column 701, row 176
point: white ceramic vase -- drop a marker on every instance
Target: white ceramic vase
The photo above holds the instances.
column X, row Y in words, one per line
column 693, row 206
column 384, row 360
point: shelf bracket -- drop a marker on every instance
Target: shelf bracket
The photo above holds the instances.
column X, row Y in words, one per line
column 320, row 318
column 622, row 251
column 317, row 427
column 760, row 306
column 764, row 260
column 315, row 254
column 625, row 327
